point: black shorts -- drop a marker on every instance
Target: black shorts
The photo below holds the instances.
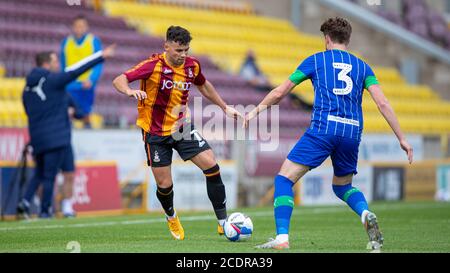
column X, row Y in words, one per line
column 187, row 143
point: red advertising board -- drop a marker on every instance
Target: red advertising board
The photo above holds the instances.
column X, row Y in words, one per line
column 12, row 141
column 96, row 187
column 95, row 191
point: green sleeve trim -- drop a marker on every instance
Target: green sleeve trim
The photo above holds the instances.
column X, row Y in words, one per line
column 284, row 200
column 297, row 77
column 371, row 80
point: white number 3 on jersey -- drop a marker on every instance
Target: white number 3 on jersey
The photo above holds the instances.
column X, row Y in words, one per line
column 343, row 76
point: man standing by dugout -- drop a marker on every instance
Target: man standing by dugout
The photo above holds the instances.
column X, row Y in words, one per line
column 46, row 104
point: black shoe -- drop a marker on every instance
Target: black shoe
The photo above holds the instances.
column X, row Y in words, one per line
column 23, row 210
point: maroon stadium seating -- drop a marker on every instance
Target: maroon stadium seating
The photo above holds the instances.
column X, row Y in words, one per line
column 28, row 26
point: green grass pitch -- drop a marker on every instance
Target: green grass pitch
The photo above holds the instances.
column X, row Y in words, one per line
column 406, row 226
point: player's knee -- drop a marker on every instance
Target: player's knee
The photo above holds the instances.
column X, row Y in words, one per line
column 163, row 181
column 205, row 160
column 293, row 171
column 289, row 175
column 342, row 180
column 162, row 176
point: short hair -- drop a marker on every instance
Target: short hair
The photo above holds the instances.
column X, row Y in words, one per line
column 179, row 35
column 79, row 17
column 43, row 57
column 338, row 29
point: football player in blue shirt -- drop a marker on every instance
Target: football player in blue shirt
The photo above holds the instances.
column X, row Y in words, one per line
column 339, row 79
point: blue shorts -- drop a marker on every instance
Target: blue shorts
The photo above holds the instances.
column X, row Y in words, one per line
column 52, row 161
column 84, row 99
column 312, row 150
column 68, row 162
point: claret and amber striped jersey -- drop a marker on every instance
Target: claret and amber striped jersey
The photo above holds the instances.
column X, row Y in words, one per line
column 167, row 91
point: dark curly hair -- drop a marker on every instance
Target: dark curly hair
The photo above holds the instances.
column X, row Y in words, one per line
column 179, row 35
column 338, row 29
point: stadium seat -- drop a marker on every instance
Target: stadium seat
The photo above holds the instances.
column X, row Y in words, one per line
column 240, row 32
column 28, row 27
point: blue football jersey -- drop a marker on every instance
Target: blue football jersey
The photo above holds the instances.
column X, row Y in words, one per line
column 339, row 79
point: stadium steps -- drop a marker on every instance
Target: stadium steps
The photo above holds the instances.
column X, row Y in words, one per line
column 226, row 37
column 28, row 26
column 219, row 5
column 12, row 113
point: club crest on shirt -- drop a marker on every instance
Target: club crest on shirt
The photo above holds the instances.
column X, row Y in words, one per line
column 190, row 73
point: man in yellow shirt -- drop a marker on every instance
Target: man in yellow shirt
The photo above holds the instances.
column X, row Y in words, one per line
column 80, row 44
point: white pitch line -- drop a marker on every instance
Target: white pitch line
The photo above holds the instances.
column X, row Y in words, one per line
column 203, row 217
column 151, row 221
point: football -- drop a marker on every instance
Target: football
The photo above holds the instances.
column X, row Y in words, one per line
column 238, row 227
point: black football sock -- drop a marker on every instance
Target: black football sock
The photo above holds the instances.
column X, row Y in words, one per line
column 165, row 197
column 216, row 191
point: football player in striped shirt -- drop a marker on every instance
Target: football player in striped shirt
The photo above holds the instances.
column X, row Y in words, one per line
column 166, row 80
column 339, row 79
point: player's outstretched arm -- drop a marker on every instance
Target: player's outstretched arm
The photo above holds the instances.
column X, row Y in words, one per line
column 121, row 85
column 74, row 71
column 389, row 115
column 274, row 97
column 209, row 91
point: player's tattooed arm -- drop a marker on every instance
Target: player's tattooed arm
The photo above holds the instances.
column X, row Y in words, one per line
column 274, row 97
column 121, row 85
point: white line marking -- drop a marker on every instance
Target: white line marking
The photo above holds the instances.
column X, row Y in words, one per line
column 299, row 211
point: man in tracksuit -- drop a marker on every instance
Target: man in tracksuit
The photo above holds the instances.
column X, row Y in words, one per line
column 46, row 104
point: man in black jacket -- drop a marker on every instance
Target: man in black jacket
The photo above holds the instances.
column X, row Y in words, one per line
column 46, row 104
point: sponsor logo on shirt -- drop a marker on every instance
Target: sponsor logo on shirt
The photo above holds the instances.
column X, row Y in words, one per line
column 179, row 85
